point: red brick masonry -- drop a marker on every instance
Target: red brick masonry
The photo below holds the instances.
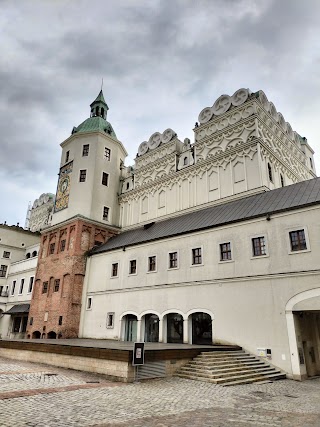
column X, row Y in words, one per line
column 56, row 299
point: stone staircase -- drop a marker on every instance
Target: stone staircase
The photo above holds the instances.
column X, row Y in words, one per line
column 229, row 368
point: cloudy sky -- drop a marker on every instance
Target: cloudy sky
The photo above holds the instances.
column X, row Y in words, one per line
column 162, row 62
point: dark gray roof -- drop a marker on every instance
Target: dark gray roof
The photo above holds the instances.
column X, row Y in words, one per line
column 19, row 308
column 291, row 197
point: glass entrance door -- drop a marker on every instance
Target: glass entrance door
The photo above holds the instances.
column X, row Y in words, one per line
column 201, row 329
column 151, row 328
column 131, row 328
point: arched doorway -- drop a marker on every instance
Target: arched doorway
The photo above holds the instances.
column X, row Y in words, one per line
column 303, row 322
column 174, row 328
column 151, row 332
column 52, row 335
column 36, row 335
column 201, row 328
column 130, row 327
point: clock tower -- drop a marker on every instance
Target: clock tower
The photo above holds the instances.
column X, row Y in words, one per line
column 85, row 214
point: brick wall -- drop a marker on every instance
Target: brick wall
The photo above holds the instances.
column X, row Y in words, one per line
column 62, row 257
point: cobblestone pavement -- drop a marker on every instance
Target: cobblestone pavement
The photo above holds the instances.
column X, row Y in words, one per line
column 36, row 395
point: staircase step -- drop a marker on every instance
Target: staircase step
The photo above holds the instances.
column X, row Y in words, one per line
column 247, row 375
column 218, row 354
column 228, row 364
column 272, row 377
column 213, row 370
column 228, row 374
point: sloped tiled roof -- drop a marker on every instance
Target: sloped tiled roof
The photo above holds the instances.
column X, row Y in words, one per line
column 94, row 124
column 291, row 197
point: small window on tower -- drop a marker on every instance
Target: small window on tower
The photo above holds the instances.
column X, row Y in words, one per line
column 85, row 150
column 83, row 175
column 67, row 156
column 56, row 285
column 6, row 254
column 105, row 213
column 60, row 320
column 45, row 287
column 51, row 248
column 105, row 178
column 107, row 153
column 62, row 245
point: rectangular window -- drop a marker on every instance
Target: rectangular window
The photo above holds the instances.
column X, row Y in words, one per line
column 259, row 246
column 225, row 251
column 105, row 213
column 173, row 260
column 67, row 156
column 298, row 240
column 16, row 324
column 51, row 248
column 21, row 286
column 3, row 270
column 107, row 153
column 60, row 320
column 45, row 287
column 13, row 287
column 89, row 303
column 105, row 178
column 114, row 270
column 31, row 321
column 110, row 320
column 6, row 254
column 56, row 285
column 196, row 256
column 30, row 285
column 85, row 150
column 152, row 263
column 133, row 266
column 62, row 245
column 83, row 175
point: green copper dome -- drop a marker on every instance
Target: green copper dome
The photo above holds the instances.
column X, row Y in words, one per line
column 95, row 124
column 97, row 121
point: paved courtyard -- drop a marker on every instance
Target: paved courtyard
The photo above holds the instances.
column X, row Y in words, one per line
column 39, row 395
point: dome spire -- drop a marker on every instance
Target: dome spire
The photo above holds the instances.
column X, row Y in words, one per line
column 99, row 106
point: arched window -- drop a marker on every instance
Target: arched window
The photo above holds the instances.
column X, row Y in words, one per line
column 97, row 111
column 185, row 161
column 28, row 255
column 270, row 172
column 34, row 253
column 102, row 112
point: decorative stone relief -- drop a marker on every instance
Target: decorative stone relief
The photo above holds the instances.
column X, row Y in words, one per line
column 222, row 105
column 219, row 124
column 155, row 140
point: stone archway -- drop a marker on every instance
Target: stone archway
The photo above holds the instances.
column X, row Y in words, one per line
column 51, row 335
column 303, row 324
column 36, row 335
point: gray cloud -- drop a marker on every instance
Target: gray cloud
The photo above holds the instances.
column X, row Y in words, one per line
column 162, row 62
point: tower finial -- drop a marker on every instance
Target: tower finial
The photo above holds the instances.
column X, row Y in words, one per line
column 102, row 83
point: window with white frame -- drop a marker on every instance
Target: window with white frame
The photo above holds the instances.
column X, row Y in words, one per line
column 105, row 215
column 133, row 266
column 110, row 320
column 114, row 269
column 6, row 254
column 152, row 263
column 3, row 270
column 85, row 150
column 31, row 280
column 13, row 287
column 21, row 287
column 107, row 153
column 225, row 252
column 173, row 259
column 298, row 240
column 196, row 256
column 259, row 246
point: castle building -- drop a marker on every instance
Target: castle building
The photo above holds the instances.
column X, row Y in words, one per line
column 211, row 241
